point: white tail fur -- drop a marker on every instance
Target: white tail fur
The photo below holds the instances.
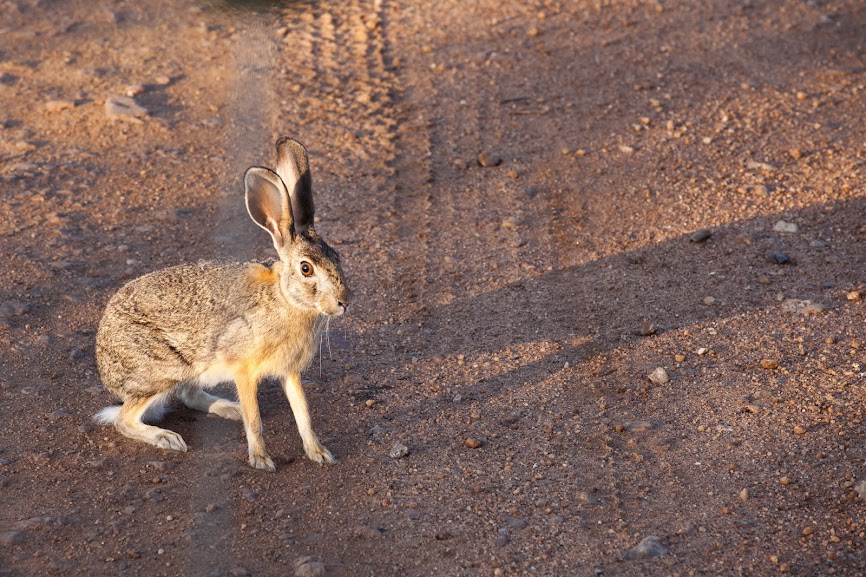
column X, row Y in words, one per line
column 108, row 415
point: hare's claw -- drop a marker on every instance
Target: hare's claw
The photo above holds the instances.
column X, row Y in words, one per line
column 169, row 440
column 262, row 462
column 319, row 454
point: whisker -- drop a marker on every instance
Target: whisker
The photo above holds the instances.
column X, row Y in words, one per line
column 328, row 333
column 320, row 353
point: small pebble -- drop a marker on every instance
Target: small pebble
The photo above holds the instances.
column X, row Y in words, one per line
column 788, row 227
column 398, row 451
column 700, row 235
column 370, row 402
column 472, row 443
column 795, row 153
column 743, row 495
column 459, row 164
column 799, row 430
column 853, row 296
column 702, row 351
column 59, row 105
column 648, row 329
column 769, row 364
column 309, row 567
column 679, row 357
column 487, row 160
column 651, row 546
column 807, row 531
column 778, row 257
column 240, row 572
column 709, row 301
column 659, row 376
column 367, row 532
column 860, row 487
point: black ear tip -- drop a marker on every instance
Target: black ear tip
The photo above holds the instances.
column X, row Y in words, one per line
column 289, row 142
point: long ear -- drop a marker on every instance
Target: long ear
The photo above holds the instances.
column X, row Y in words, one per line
column 268, row 204
column 294, row 168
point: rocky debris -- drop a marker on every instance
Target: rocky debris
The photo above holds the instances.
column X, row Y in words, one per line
column 803, row 307
column 398, row 451
column 488, row 159
column 367, row 532
column 648, row 329
column 473, row 443
column 787, row 227
column 659, row 376
column 853, row 296
column 124, row 108
column 309, row 567
column 10, row 538
column 860, row 487
column 769, row 364
column 776, row 257
column 700, row 235
column 59, row 105
column 650, row 546
column 240, row 572
column 515, row 523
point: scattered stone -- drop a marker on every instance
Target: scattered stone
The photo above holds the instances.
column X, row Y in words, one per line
column 637, row 426
column 10, row 538
column 626, row 149
column 799, row 430
column 487, row 159
column 795, row 153
column 679, row 357
column 648, row 329
column 755, row 165
column 709, row 301
column 59, row 105
column 803, row 307
column 473, row 443
column 788, row 227
column 77, row 354
column 651, row 546
column 240, row 572
column 398, row 451
column 744, row 495
column 501, row 540
column 162, row 80
column 700, row 235
column 370, row 403
column 515, row 523
column 124, row 108
column 769, row 364
column 702, row 351
column 161, row 466
column 459, row 164
column 860, row 487
column 367, row 532
column 14, row 309
column 778, row 257
column 853, row 296
column 309, row 567
column 134, row 90
column 659, row 376
column 251, row 495
column 442, row 535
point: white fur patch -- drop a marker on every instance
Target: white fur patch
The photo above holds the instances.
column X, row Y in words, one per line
column 108, row 415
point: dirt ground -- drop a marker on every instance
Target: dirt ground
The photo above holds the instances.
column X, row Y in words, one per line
column 515, row 189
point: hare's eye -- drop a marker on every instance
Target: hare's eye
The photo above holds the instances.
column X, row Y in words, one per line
column 306, row 268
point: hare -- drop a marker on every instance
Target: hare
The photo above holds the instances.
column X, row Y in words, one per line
column 186, row 328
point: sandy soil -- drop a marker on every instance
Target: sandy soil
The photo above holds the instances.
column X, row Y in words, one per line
column 514, row 188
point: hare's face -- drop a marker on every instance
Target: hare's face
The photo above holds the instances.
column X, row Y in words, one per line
column 312, row 278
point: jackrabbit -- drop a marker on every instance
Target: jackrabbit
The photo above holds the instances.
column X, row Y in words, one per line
column 193, row 326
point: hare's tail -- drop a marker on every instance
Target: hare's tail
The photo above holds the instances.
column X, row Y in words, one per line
column 108, row 415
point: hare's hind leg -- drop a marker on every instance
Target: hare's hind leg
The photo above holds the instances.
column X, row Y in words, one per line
column 195, row 398
column 129, row 424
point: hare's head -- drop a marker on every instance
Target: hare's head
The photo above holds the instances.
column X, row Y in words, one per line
column 281, row 202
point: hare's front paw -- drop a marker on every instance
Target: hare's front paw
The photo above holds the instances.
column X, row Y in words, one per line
column 169, row 440
column 318, row 453
column 263, row 462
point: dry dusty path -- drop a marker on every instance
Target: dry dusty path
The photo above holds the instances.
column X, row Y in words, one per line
column 514, row 188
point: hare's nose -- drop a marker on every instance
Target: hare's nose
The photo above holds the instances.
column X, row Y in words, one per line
column 344, row 305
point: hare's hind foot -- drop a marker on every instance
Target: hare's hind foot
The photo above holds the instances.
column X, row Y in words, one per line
column 195, row 398
column 129, row 424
